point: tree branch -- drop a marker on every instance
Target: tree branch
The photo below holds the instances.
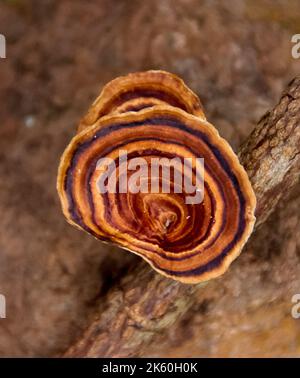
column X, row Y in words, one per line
column 145, row 303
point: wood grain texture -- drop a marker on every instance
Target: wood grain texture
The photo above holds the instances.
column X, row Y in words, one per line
column 144, row 303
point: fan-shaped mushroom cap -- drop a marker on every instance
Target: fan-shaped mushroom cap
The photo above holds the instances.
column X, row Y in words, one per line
column 187, row 242
column 141, row 90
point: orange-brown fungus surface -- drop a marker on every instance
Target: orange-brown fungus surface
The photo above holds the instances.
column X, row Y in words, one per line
column 154, row 115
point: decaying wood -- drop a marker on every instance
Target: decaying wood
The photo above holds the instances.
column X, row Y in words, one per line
column 145, row 303
column 271, row 153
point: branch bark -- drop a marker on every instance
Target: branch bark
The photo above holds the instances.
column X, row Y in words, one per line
column 145, row 303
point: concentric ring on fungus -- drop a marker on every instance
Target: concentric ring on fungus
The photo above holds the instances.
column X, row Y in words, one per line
column 154, row 115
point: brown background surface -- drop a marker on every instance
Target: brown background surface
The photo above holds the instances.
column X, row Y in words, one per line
column 237, row 56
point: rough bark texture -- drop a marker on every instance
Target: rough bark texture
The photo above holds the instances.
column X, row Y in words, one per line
column 271, row 154
column 144, row 303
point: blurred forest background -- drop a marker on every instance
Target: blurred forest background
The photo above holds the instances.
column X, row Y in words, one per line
column 236, row 55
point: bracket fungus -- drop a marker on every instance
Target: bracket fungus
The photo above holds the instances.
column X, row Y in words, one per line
column 150, row 115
